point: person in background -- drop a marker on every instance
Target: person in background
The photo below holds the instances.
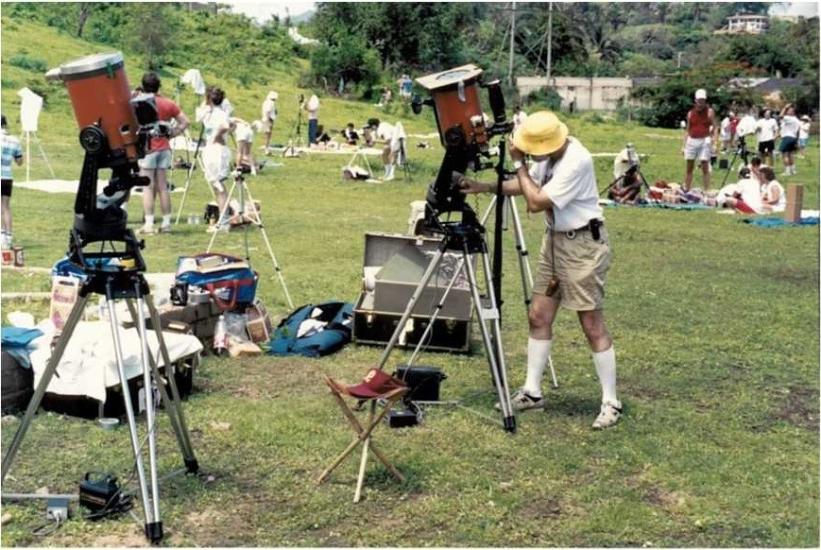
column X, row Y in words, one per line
column 700, row 135
column 312, row 107
column 766, row 129
column 773, row 198
column 519, row 116
column 803, row 135
column 158, row 160
column 12, row 152
column 725, row 132
column 269, row 116
column 790, row 127
column 350, row 135
column 405, row 86
column 734, row 120
column 216, row 158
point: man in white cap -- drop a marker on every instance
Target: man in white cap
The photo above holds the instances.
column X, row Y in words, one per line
column 269, row 116
column 700, row 136
column 575, row 254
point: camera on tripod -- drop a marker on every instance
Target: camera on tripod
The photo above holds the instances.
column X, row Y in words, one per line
column 463, row 130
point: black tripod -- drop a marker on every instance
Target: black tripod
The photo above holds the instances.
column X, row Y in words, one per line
column 191, row 167
column 295, row 137
column 117, row 274
column 740, row 151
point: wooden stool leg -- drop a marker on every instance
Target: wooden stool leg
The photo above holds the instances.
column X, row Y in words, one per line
column 359, row 429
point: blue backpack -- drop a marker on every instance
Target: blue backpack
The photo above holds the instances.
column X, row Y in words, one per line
column 323, row 341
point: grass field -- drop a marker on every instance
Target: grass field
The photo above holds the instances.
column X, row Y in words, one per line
column 716, row 325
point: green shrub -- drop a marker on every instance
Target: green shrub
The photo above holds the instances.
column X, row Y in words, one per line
column 547, row 98
column 28, row 63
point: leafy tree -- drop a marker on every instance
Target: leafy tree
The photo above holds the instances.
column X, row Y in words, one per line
column 151, row 31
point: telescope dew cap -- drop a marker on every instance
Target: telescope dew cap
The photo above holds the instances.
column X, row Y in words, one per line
column 89, row 65
column 541, row 133
column 701, row 93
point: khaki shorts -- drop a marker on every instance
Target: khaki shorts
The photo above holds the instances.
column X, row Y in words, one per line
column 581, row 268
column 267, row 125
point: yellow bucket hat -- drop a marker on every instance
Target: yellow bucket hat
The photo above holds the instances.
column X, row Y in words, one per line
column 541, row 133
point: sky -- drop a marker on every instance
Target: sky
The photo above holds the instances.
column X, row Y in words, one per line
column 262, row 11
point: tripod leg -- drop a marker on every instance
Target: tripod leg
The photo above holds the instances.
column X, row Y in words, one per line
column 521, row 250
column 45, row 379
column 129, row 410
column 434, row 263
column 274, row 262
column 153, row 529
column 222, row 215
column 436, row 313
column 497, row 370
column 171, row 402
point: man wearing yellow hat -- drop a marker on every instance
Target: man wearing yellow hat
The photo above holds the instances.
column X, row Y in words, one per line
column 575, row 253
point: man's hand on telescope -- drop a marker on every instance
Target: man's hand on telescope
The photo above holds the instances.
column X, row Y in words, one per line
column 469, row 186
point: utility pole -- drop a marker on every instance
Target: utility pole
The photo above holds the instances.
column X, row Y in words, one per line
column 549, row 40
column 512, row 37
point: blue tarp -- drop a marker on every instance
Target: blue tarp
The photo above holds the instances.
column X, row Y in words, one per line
column 774, row 221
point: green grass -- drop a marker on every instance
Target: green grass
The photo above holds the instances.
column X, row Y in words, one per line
column 716, row 325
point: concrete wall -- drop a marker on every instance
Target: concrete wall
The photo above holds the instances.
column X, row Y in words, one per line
column 581, row 94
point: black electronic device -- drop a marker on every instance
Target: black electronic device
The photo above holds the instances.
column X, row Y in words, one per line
column 423, row 381
column 99, row 491
column 402, row 418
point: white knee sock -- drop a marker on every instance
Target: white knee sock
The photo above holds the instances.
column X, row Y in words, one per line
column 538, row 352
column 166, row 220
column 605, row 362
column 149, row 220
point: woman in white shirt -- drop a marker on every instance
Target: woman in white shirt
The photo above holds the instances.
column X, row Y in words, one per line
column 216, row 157
column 790, row 126
column 773, row 198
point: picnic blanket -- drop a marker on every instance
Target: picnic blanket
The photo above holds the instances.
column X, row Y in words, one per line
column 89, row 365
column 773, row 221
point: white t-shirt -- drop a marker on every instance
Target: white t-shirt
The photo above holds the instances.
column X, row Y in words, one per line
column 312, row 107
column 790, row 126
column 766, row 129
column 269, row 110
column 746, row 125
column 751, row 193
column 769, row 189
column 804, row 133
column 725, row 128
column 213, row 119
column 571, row 186
column 384, row 131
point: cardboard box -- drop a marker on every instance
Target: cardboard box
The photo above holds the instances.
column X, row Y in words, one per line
column 64, row 294
column 795, row 200
column 259, row 325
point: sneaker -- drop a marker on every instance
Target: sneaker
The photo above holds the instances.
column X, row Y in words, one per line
column 165, row 229
column 608, row 415
column 146, row 230
column 522, row 401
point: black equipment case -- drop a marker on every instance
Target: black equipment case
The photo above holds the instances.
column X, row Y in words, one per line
column 399, row 262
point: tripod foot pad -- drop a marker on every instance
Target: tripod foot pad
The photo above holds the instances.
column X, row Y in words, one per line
column 192, row 466
column 510, row 424
column 153, row 531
